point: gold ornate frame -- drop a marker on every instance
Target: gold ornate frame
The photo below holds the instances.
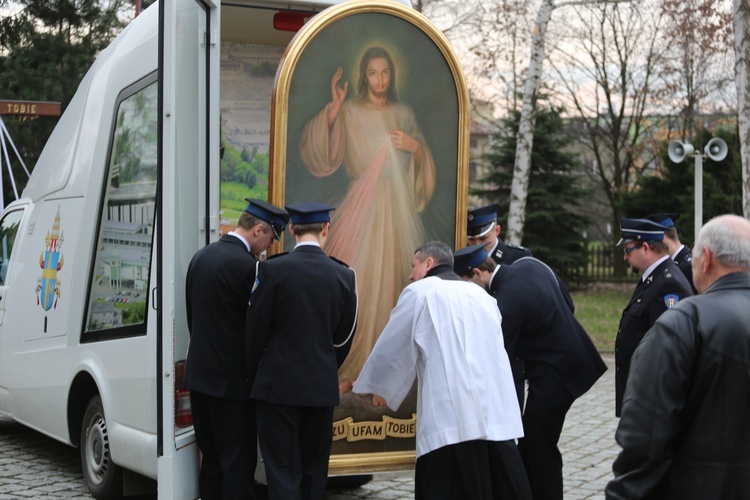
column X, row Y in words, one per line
column 353, row 463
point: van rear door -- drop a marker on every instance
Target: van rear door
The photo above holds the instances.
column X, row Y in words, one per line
column 187, row 204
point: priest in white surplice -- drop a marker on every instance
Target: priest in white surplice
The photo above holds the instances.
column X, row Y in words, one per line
column 447, row 334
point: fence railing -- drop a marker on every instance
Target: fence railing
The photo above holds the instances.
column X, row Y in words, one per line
column 599, row 267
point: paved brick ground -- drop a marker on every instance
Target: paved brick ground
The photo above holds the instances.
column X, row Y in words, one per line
column 35, row 466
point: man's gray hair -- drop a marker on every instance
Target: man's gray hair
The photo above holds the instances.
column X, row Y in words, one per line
column 439, row 251
column 728, row 239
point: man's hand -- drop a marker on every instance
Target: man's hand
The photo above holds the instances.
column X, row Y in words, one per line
column 345, row 385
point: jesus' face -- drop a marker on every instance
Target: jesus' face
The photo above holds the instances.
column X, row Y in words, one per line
column 378, row 77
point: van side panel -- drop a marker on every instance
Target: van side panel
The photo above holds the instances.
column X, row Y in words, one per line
column 44, row 282
column 42, row 353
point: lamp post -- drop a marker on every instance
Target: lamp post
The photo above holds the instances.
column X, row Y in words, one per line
column 716, row 149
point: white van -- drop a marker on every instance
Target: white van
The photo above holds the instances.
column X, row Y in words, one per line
column 93, row 329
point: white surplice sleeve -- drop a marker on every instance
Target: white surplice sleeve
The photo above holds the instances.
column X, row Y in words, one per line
column 391, row 368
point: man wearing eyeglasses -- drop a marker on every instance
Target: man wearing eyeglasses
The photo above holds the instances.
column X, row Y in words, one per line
column 220, row 279
column 662, row 285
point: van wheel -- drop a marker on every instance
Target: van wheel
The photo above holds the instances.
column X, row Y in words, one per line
column 102, row 477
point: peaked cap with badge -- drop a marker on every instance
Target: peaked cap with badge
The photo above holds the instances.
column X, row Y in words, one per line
column 469, row 258
column 684, row 256
column 309, row 213
column 640, row 230
column 275, row 216
column 666, row 219
column 480, row 222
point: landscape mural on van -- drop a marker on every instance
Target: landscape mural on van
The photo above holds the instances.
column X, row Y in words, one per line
column 247, row 76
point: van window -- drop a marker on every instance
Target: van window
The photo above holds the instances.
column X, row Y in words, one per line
column 118, row 293
column 8, row 230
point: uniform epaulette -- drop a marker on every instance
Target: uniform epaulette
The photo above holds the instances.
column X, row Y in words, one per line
column 519, row 247
column 277, row 255
column 339, row 261
column 668, row 274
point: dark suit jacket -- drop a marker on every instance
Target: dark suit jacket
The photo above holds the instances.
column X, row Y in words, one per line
column 305, row 303
column 218, row 285
column 508, row 254
column 665, row 286
column 561, row 362
column 684, row 259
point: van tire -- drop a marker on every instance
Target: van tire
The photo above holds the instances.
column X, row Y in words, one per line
column 102, row 477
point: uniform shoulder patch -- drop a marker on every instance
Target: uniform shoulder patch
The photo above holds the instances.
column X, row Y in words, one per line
column 338, row 261
column 671, row 300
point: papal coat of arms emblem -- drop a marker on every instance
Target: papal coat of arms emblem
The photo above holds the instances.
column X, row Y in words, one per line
column 51, row 261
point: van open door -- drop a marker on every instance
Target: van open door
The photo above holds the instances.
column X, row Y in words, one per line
column 187, row 215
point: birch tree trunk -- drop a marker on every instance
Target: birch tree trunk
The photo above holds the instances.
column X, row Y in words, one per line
column 741, row 15
column 522, row 167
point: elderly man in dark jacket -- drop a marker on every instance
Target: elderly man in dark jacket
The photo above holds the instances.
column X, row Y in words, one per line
column 685, row 426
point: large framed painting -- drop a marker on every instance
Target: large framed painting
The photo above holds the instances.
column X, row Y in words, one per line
column 370, row 114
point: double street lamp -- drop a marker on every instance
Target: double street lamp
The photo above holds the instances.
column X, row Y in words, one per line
column 716, row 149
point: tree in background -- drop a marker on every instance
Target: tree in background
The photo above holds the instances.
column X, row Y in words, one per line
column 741, row 17
column 554, row 228
column 609, row 67
column 46, row 47
column 696, row 65
column 673, row 188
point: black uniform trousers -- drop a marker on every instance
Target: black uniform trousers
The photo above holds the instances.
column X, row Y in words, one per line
column 538, row 447
column 226, row 435
column 295, row 442
column 472, row 470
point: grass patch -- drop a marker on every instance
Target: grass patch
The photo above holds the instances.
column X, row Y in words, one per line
column 233, row 196
column 599, row 309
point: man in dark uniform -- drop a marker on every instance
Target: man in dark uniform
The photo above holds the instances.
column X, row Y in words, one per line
column 560, row 359
column 662, row 285
column 218, row 285
column 681, row 254
column 300, row 324
column 482, row 227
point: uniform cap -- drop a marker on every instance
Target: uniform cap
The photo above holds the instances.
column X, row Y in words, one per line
column 640, row 230
column 275, row 216
column 469, row 257
column 309, row 213
column 665, row 219
column 481, row 220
